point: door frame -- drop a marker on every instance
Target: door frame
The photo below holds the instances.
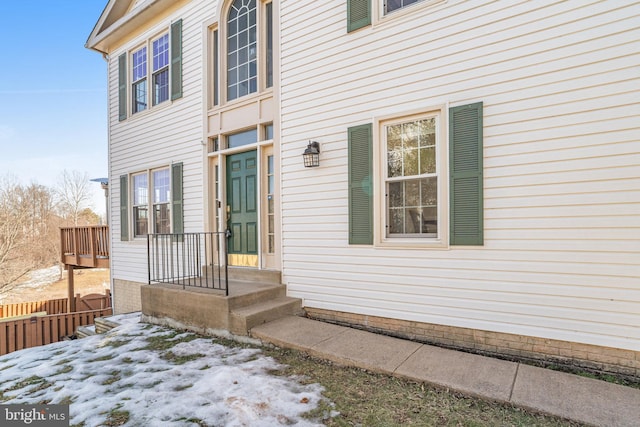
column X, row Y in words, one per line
column 216, row 189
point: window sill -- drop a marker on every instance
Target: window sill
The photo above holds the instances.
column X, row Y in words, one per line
column 135, row 116
column 412, row 243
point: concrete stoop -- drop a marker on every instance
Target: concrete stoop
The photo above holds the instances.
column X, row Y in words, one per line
column 255, row 297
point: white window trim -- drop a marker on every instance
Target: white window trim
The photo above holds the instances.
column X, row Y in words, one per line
column 379, row 16
column 379, row 174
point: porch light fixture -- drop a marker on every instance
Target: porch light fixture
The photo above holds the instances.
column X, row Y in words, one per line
column 311, row 155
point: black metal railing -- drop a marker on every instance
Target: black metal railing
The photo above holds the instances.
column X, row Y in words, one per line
column 189, row 259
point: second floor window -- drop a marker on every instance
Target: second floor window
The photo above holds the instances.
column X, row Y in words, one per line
column 242, row 49
column 151, row 73
column 157, row 67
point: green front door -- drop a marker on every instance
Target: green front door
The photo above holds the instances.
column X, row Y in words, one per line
column 242, row 208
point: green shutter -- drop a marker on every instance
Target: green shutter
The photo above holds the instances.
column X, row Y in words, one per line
column 122, row 87
column 176, row 60
column 358, row 14
column 361, row 185
column 465, row 184
column 177, row 210
column 124, row 208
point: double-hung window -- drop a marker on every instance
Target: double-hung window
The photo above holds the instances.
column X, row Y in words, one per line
column 157, row 183
column 153, row 202
column 414, row 177
column 151, row 73
column 159, row 74
column 411, row 177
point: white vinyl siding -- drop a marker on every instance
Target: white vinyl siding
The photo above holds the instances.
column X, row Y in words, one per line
column 161, row 136
column 560, row 89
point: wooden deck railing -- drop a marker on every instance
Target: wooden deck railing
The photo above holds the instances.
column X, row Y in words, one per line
column 40, row 330
column 85, row 246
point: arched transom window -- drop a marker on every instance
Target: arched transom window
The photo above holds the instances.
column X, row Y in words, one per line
column 242, row 49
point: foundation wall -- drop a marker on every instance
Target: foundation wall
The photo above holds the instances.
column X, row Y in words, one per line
column 126, row 296
column 510, row 346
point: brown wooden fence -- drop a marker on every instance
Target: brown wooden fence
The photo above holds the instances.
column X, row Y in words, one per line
column 40, row 330
column 52, row 306
column 57, row 306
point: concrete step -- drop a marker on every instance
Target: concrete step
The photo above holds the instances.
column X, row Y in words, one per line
column 243, row 294
column 241, row 320
column 103, row 325
column 85, row 331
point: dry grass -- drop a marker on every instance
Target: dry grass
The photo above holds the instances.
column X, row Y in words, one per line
column 366, row 399
column 86, row 281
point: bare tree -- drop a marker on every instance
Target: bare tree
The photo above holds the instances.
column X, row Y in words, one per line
column 73, row 194
column 29, row 231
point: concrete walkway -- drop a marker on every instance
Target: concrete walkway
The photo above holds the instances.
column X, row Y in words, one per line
column 565, row 395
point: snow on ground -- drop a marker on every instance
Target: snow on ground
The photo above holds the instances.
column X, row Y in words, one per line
column 42, row 277
column 160, row 376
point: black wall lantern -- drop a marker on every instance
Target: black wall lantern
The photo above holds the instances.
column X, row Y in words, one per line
column 311, row 155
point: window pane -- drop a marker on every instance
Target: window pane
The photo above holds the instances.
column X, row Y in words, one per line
column 268, row 130
column 161, row 188
column 270, row 167
column 215, row 68
column 161, row 87
column 396, row 221
column 139, row 74
column 430, row 220
column 140, row 188
column 241, row 48
column 161, row 222
column 269, row 42
column 242, row 138
column 139, row 64
column 412, row 193
column 428, row 160
column 140, row 96
column 410, row 135
column 396, row 194
column 410, row 162
column 429, row 191
column 161, row 52
column 141, row 220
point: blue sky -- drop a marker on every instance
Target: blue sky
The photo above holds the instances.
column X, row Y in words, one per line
column 53, row 95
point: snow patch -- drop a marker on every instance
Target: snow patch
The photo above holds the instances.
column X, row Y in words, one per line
column 195, row 379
